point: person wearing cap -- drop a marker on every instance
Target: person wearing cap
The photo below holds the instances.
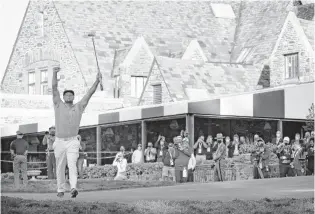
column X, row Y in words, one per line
column 260, row 158
column 67, row 121
column 49, row 140
column 19, row 150
column 121, row 163
column 284, row 154
column 219, row 157
column 150, row 153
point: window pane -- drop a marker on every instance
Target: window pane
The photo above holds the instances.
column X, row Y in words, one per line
column 133, row 86
column 31, row 77
column 44, row 89
column 31, row 89
column 139, row 86
column 44, row 75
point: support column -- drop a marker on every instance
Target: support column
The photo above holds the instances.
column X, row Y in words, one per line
column 143, row 138
column 98, row 146
column 190, row 127
column 280, row 127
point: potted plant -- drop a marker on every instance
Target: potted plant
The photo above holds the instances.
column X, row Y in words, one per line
column 34, row 166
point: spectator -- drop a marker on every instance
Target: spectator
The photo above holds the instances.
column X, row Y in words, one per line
column 256, row 139
column 209, row 143
column 284, row 154
column 82, row 156
column 150, row 153
column 186, row 139
column 137, row 155
column 49, row 140
column 19, row 150
column 310, row 157
column 219, row 157
column 121, row 163
column 229, row 147
column 242, row 140
column 160, row 145
column 296, row 140
column 278, row 139
column 260, row 158
column 121, row 151
column 184, row 153
column 312, row 134
column 191, row 168
column 201, row 148
column 129, row 159
column 168, row 160
column 236, row 145
column 297, row 158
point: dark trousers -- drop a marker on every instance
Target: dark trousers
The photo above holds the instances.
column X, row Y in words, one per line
column 51, row 165
column 285, row 170
column 310, row 166
column 179, row 176
column 219, row 171
column 190, row 177
column 257, row 175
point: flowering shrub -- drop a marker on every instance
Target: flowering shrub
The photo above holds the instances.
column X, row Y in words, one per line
column 8, row 176
column 146, row 171
column 271, row 147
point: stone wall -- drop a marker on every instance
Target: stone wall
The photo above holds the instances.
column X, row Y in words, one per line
column 32, row 47
column 291, row 43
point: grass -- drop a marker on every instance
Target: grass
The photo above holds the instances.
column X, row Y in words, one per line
column 49, row 186
column 264, row 206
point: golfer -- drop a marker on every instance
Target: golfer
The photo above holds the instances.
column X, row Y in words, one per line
column 67, row 122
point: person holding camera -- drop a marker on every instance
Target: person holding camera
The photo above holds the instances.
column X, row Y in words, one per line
column 19, row 150
column 121, row 162
column 298, row 161
column 201, row 149
column 219, row 157
column 260, row 158
column 284, row 154
column 150, row 153
column 49, row 140
column 161, row 146
column 168, row 160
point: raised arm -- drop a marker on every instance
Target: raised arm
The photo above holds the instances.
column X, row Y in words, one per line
column 56, row 94
column 85, row 100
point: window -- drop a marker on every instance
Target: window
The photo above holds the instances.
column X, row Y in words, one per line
column 244, row 54
column 39, row 27
column 31, row 82
column 157, row 94
column 44, row 81
column 137, row 85
column 291, row 66
column 117, row 87
column 223, row 11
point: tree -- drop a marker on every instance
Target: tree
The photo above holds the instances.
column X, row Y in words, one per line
column 310, row 119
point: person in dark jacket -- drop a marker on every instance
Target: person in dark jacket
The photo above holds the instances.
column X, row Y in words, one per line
column 168, row 159
column 310, row 158
column 209, row 143
column 284, row 154
column 160, row 145
column 181, row 162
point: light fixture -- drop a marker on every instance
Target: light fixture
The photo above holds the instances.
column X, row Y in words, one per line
column 109, row 132
column 267, row 126
column 174, row 125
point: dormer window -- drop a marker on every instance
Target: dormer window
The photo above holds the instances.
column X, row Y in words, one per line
column 137, row 85
column 291, row 66
column 157, row 94
column 223, row 11
column 39, row 27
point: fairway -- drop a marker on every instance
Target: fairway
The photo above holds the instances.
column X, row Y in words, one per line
column 295, row 187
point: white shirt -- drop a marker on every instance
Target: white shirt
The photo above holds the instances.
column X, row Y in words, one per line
column 192, row 162
column 121, row 166
column 136, row 156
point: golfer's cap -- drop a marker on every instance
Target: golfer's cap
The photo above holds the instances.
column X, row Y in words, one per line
column 19, row 133
column 70, row 91
column 286, row 139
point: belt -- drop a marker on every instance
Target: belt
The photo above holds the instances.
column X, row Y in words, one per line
column 66, row 138
column 50, row 150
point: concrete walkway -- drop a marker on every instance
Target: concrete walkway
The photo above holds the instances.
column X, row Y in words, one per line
column 295, row 187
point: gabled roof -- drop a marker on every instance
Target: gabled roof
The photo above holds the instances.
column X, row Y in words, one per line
column 308, row 27
column 216, row 78
column 258, row 28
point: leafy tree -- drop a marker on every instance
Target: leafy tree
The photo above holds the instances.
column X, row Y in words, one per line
column 310, row 119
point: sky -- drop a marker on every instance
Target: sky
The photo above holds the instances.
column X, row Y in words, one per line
column 11, row 15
